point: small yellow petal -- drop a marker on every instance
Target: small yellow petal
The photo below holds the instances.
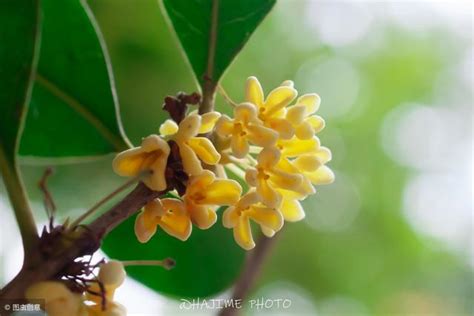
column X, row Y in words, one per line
column 143, row 231
column 157, row 181
column 262, row 136
column 152, row 155
column 221, row 192
column 267, row 217
column 305, row 189
column 153, row 209
column 208, row 121
column 288, row 83
column 310, row 101
column 278, row 99
column 205, row 150
column 295, row 147
column 191, row 163
column 307, row 163
column 282, row 126
column 267, row 231
column 230, row 217
column 154, row 143
column 269, row 196
column 251, row 197
column 304, row 131
column 245, row 112
column 292, row 210
column 202, row 216
column 240, row 146
column 288, row 166
column 199, row 182
column 188, row 127
column 112, row 273
column 323, row 175
column 176, row 222
column 254, row 91
column 177, row 225
column 296, row 114
column 243, row 234
column 224, row 126
column 323, row 155
column 301, row 193
column 317, row 122
column 268, row 157
column 169, row 127
column 129, row 163
column 285, row 180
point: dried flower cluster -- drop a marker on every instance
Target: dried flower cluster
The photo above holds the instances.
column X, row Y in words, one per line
column 270, row 144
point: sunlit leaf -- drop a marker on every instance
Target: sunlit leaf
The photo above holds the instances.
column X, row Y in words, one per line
column 74, row 108
column 212, row 32
column 19, row 25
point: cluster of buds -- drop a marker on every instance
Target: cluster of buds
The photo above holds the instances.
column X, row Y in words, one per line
column 97, row 298
column 270, row 144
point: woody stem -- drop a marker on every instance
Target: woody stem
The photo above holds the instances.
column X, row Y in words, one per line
column 86, row 243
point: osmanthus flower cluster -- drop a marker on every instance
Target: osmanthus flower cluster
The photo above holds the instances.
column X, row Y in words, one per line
column 96, row 300
column 270, row 143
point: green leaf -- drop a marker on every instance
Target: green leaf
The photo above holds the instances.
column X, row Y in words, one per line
column 209, row 52
column 18, row 38
column 74, row 107
column 206, row 264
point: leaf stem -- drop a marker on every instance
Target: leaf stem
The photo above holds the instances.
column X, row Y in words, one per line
column 209, row 85
column 19, row 202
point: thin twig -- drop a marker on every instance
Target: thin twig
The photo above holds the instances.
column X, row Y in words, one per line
column 94, row 208
column 49, row 205
column 226, row 97
column 167, row 263
column 253, row 265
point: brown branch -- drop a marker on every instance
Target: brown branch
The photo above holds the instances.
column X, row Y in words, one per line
column 250, row 273
column 87, row 242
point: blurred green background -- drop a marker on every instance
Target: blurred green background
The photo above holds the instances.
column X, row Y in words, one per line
column 392, row 235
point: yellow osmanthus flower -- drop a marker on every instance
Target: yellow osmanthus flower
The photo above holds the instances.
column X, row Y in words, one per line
column 249, row 208
column 245, row 127
column 267, row 178
column 169, row 214
column 311, row 166
column 301, row 116
column 151, row 155
column 58, row 299
column 193, row 147
column 112, row 275
column 204, row 193
column 272, row 110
